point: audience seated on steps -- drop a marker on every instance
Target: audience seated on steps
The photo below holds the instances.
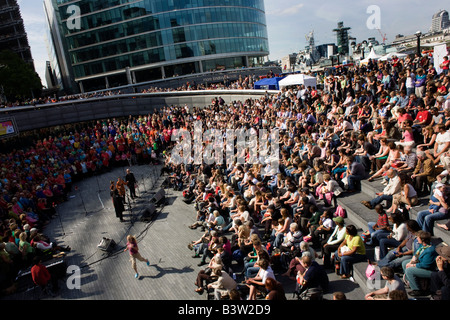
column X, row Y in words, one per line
column 421, row 265
column 438, row 208
column 350, row 251
column 325, row 143
column 393, row 282
column 404, row 251
column 393, row 187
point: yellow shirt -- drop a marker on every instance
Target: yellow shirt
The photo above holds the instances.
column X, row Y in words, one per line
column 356, row 241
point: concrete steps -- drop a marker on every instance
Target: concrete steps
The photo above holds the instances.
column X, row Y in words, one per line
column 360, row 215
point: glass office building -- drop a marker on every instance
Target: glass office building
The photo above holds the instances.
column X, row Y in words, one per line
column 107, row 43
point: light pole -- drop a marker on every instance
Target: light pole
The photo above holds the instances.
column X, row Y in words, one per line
column 418, row 35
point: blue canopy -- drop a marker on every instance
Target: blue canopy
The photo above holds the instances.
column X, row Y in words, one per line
column 268, row 83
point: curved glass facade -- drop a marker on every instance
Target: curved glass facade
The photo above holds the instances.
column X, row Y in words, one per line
column 166, row 37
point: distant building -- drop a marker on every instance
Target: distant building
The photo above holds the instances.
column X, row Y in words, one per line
column 342, row 39
column 326, row 50
column 12, row 31
column 440, row 21
column 50, row 76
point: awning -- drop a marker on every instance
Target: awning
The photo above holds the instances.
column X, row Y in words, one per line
column 298, row 79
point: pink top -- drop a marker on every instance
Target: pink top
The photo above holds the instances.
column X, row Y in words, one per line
column 408, row 136
column 132, row 248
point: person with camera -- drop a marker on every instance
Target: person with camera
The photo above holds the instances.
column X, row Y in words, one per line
column 440, row 280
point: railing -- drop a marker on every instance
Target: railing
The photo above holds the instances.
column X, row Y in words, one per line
column 120, row 105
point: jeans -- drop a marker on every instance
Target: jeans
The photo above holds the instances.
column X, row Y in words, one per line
column 392, row 261
column 251, row 271
column 385, row 243
column 276, row 240
column 353, row 179
column 380, row 199
column 413, row 274
column 376, row 235
column 346, row 262
column 426, row 219
column 410, row 91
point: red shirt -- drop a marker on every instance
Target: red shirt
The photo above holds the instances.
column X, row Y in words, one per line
column 404, row 117
column 40, row 274
column 382, row 221
column 445, row 64
column 424, row 115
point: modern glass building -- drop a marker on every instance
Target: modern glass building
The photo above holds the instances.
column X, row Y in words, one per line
column 108, row 43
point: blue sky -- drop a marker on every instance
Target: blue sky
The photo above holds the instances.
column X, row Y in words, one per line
column 289, row 21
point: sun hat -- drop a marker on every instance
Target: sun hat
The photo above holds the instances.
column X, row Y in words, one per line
column 338, row 220
column 444, row 251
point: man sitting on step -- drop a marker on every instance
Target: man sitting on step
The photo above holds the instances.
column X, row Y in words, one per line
column 389, row 190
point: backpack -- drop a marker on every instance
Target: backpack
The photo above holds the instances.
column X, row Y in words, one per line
column 340, row 212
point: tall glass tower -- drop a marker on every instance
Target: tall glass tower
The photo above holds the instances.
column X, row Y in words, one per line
column 107, row 43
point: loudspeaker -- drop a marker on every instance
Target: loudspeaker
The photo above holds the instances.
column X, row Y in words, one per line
column 106, row 244
column 148, row 213
column 159, row 197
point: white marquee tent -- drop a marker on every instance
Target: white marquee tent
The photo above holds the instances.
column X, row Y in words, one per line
column 297, row 79
column 372, row 55
column 390, row 55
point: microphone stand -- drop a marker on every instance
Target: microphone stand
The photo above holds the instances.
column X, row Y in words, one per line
column 130, row 208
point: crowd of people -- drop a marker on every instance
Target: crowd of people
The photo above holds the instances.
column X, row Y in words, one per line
column 40, row 174
column 386, row 120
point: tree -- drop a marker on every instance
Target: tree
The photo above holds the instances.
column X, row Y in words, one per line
column 17, row 78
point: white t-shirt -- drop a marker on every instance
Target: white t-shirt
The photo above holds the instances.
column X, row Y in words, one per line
column 245, row 216
column 264, row 274
column 441, row 140
column 400, row 232
column 328, row 223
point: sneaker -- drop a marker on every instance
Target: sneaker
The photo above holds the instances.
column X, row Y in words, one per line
column 136, row 275
column 148, row 263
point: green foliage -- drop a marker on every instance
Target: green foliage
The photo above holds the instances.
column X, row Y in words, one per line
column 18, row 79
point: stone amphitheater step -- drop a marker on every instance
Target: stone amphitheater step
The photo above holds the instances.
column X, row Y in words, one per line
column 360, row 215
column 370, row 188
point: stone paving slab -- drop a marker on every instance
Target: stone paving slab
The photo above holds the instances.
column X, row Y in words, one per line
column 88, row 216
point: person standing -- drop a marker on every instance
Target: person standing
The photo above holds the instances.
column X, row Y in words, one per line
column 445, row 65
column 119, row 208
column 133, row 249
column 120, row 186
column 131, row 183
